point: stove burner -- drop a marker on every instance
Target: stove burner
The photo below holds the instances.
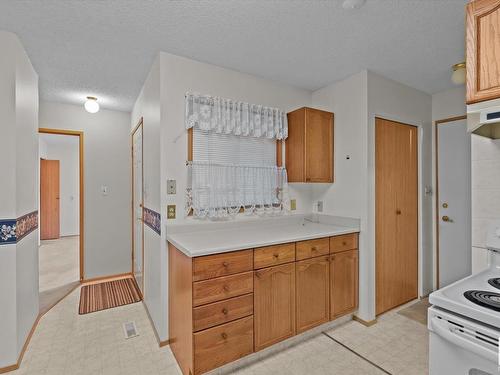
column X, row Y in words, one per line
column 490, row 300
column 495, row 282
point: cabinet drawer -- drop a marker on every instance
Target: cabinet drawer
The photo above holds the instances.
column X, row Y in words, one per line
column 222, row 312
column 343, row 243
column 214, row 290
column 312, row 248
column 219, row 345
column 273, row 255
column 212, row 266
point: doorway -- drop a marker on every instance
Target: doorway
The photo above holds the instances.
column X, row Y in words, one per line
column 61, row 267
column 137, row 206
column 453, row 201
column 396, row 213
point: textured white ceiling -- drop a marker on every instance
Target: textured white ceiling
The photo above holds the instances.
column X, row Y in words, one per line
column 105, row 48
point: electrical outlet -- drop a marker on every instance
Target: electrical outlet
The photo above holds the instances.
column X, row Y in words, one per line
column 293, row 204
column 171, row 186
column 320, row 206
column 171, row 211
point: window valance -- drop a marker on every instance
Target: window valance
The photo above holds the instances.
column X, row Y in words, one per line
column 226, row 116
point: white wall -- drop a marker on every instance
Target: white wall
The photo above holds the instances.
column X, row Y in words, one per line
column 107, row 162
column 394, row 101
column 155, row 293
column 65, row 148
column 448, row 104
column 356, row 101
column 18, row 195
column 485, row 172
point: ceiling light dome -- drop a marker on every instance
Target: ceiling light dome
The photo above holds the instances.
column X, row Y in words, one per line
column 353, row 4
column 91, row 104
column 458, row 75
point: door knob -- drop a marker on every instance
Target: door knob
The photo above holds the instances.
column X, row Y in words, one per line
column 447, row 219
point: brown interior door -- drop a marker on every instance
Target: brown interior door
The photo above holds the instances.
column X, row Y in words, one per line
column 396, row 206
column 49, row 199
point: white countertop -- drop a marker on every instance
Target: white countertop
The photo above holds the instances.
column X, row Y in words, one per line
column 201, row 241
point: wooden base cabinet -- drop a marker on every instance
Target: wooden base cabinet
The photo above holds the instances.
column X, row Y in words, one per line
column 225, row 306
column 313, row 292
column 343, row 283
column 274, row 304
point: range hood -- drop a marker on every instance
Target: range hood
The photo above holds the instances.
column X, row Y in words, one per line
column 484, row 119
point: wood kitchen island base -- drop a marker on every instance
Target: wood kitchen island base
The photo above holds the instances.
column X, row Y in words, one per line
column 226, row 306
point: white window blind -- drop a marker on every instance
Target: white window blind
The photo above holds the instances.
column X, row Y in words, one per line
column 229, row 173
column 233, row 149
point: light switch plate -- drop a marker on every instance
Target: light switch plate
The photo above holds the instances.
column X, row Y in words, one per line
column 171, row 186
column 293, row 204
column 171, row 211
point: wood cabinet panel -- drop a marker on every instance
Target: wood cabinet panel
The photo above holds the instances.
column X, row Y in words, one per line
column 273, row 255
column 222, row 312
column 213, row 290
column 319, row 146
column 343, row 283
column 180, row 308
column 313, row 292
column 219, row 345
column 343, row 242
column 312, row 248
column 212, row 266
column 483, row 50
column 309, row 146
column 295, row 157
column 274, row 304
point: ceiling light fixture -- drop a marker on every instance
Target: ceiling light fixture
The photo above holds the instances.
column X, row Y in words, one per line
column 458, row 75
column 91, row 104
column 353, row 4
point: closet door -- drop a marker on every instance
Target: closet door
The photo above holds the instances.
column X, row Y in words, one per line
column 396, row 206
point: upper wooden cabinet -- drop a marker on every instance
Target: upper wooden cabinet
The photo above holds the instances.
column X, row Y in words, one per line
column 483, row 50
column 309, row 146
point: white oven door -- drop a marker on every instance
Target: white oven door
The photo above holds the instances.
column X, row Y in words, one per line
column 459, row 346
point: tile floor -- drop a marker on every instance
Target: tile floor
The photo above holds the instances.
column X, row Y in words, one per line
column 58, row 262
column 68, row 343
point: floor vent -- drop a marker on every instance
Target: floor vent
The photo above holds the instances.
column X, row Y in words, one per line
column 130, row 330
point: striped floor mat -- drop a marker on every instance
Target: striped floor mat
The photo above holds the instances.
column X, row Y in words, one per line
column 109, row 294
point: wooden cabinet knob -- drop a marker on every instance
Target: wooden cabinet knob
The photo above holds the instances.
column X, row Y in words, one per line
column 314, row 248
column 224, row 311
column 257, row 274
column 226, row 288
column 344, row 243
column 398, row 212
column 332, row 257
column 225, row 264
column 224, row 335
column 276, row 256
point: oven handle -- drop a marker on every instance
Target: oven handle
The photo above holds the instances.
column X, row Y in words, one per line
column 441, row 327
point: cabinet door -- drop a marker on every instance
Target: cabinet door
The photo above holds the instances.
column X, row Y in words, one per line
column 319, row 146
column 312, row 290
column 274, row 304
column 343, row 283
column 483, row 50
column 295, row 145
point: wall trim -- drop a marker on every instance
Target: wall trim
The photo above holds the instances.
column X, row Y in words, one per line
column 160, row 343
column 366, row 323
column 99, row 279
column 152, row 219
column 13, row 231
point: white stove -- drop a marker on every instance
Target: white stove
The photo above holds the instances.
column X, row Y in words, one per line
column 464, row 321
